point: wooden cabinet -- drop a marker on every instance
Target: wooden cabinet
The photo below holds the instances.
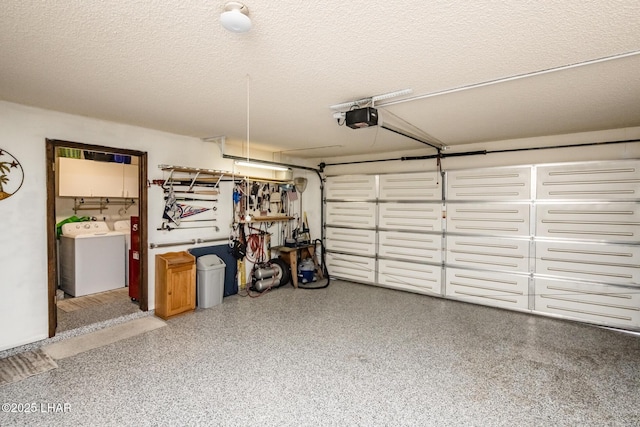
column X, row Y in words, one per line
column 89, row 178
column 175, row 283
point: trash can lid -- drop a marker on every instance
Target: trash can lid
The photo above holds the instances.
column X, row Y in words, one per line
column 206, row 262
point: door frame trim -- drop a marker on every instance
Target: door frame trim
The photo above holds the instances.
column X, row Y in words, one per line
column 50, row 147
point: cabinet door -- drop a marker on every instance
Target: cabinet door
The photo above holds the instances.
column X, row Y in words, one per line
column 106, row 179
column 181, row 296
column 130, row 185
column 73, row 177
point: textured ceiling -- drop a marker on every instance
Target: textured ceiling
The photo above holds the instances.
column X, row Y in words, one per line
column 171, row 66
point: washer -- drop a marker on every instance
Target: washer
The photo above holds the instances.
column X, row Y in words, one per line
column 91, row 258
column 124, row 226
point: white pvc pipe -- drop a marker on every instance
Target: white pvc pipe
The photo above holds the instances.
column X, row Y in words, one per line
column 512, row 78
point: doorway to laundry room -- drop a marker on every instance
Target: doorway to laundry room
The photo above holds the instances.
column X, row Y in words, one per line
column 96, row 234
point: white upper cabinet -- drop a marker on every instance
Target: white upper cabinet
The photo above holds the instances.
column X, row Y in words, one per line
column 89, row 178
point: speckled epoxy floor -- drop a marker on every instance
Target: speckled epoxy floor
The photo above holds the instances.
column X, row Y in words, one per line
column 347, row 355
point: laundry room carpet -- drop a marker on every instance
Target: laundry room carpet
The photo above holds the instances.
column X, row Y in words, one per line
column 80, row 344
column 23, row 365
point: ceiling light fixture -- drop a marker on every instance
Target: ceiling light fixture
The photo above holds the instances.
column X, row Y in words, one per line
column 260, row 165
column 235, row 17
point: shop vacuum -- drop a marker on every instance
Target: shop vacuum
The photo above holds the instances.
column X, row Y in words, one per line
column 326, row 280
column 276, row 273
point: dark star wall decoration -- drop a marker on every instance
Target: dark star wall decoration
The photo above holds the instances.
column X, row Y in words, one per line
column 11, row 175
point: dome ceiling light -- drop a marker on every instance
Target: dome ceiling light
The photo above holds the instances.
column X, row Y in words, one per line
column 235, row 17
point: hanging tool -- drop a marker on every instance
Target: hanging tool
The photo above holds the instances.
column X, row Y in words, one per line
column 300, row 185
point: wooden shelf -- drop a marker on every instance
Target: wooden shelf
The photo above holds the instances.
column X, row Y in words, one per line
column 267, row 219
column 194, row 176
column 184, row 169
column 214, row 176
column 265, row 180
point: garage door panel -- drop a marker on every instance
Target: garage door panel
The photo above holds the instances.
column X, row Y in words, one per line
column 617, row 222
column 488, row 218
column 616, row 180
column 351, row 187
column 589, row 261
column 604, row 304
column 488, row 288
column 512, row 183
column 357, row 214
column 418, row 217
column 410, row 246
column 350, row 267
column 488, row 253
column 350, row 240
column 410, row 276
column 411, row 186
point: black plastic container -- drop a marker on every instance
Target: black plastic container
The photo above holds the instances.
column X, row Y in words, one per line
column 96, row 155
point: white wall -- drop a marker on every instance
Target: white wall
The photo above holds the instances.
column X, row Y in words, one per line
column 23, row 244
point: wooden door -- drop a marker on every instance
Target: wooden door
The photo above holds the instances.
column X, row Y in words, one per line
column 181, row 289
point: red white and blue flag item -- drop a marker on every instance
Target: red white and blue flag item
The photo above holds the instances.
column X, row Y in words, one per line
column 189, row 210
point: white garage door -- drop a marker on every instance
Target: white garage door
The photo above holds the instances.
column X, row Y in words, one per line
column 560, row 240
